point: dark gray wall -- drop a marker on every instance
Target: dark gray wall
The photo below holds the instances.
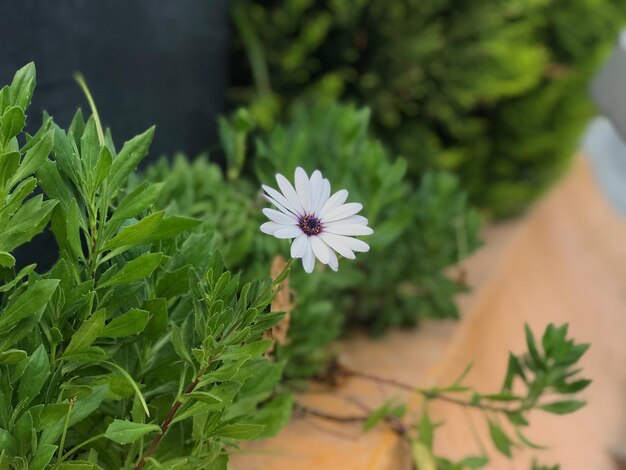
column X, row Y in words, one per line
column 146, row 62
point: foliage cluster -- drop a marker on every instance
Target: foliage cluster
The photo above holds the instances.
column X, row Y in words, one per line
column 137, row 348
column 493, row 91
column 419, row 232
column 144, row 346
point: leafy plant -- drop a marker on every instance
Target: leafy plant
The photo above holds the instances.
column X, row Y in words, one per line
column 542, row 379
column 493, row 91
column 137, row 337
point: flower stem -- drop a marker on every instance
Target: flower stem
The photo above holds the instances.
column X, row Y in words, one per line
column 168, row 420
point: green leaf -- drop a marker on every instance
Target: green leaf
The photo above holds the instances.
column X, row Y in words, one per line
column 127, row 159
column 563, row 407
column 136, row 269
column 6, row 259
column 88, row 332
column 422, row 456
column 526, row 442
column 375, row 417
column 426, row 429
column 573, row 387
column 11, row 123
column 73, row 230
column 532, row 348
column 52, row 414
column 82, row 408
column 136, row 233
column 137, row 201
column 9, row 162
column 89, row 147
column 126, row 432
column 243, row 431
column 12, row 356
column 35, row 157
column 35, row 375
column 29, row 303
column 22, row 86
column 7, row 441
column 105, row 160
column 130, row 323
column 42, row 457
column 500, row 439
column 250, row 350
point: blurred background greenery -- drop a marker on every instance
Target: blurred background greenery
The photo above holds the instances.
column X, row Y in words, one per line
column 493, row 91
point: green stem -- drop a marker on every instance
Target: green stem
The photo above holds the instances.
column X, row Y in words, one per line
column 80, row 446
column 251, row 42
column 66, row 424
column 96, row 117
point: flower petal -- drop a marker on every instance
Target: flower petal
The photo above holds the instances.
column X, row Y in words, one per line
column 340, row 243
column 280, row 217
column 271, row 227
column 333, row 262
column 290, row 193
column 315, row 183
column 323, row 196
column 336, row 243
column 333, row 201
column 303, row 188
column 348, row 229
column 299, row 246
column 320, row 249
column 308, row 260
column 279, row 200
column 353, row 219
column 341, row 212
column 287, row 231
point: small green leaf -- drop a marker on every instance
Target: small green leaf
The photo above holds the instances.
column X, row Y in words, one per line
column 88, row 332
column 137, row 201
column 42, row 457
column 35, row 156
column 500, row 439
column 563, row 407
column 29, row 303
column 136, row 269
column 105, row 160
column 22, row 86
column 127, row 159
column 476, row 461
column 243, row 431
column 136, row 233
column 12, row 356
column 35, row 375
column 130, row 323
column 11, row 123
column 126, row 432
column 6, row 259
column 52, row 413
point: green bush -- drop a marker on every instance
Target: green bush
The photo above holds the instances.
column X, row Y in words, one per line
column 137, row 347
column 419, row 232
column 492, row 91
column 144, row 347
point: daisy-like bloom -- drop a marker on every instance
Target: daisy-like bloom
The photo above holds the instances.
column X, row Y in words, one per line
column 318, row 223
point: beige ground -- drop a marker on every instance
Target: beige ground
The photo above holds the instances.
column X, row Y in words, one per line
column 565, row 262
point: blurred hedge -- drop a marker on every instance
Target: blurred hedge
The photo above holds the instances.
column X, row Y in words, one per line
column 492, row 90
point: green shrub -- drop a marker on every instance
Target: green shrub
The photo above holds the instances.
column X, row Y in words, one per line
column 419, row 233
column 138, row 347
column 492, row 91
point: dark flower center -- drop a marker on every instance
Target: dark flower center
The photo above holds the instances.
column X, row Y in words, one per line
column 310, row 225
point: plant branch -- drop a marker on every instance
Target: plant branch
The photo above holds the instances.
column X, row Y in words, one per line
column 168, row 420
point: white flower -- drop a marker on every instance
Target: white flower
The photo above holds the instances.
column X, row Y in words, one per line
column 319, row 223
